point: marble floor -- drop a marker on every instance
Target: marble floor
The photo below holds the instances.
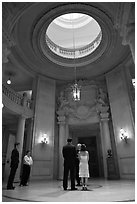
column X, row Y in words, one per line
column 99, row 190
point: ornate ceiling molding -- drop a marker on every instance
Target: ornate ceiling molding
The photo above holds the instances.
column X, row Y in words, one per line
column 42, row 50
column 32, row 24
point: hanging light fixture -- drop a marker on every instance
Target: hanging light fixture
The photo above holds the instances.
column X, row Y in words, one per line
column 76, row 89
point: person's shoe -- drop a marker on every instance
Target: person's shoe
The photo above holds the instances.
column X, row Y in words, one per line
column 74, row 189
column 65, row 189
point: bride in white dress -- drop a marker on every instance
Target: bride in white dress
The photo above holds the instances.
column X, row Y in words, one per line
column 84, row 166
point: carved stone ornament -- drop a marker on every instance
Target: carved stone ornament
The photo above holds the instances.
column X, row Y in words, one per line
column 93, row 102
column 61, row 119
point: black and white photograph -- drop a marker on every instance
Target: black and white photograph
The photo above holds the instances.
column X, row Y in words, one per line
column 68, row 101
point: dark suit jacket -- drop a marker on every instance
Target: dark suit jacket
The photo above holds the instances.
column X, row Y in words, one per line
column 69, row 154
column 14, row 158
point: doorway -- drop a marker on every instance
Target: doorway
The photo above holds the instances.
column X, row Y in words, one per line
column 91, row 144
column 89, row 134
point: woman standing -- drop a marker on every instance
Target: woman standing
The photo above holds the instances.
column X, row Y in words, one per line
column 27, row 162
column 83, row 166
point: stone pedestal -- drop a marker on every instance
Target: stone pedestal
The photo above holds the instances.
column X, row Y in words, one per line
column 111, row 169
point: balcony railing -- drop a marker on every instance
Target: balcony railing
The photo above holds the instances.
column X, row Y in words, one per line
column 70, row 53
column 16, row 97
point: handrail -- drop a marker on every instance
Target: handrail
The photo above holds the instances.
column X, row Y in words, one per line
column 16, row 97
column 69, row 53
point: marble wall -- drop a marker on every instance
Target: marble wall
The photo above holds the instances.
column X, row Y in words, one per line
column 44, row 120
column 122, row 118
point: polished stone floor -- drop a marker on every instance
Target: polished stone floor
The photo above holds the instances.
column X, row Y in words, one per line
column 99, row 190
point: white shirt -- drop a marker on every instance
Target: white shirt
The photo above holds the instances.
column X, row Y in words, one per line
column 28, row 160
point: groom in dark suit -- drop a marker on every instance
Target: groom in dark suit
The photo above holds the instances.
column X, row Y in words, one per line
column 69, row 154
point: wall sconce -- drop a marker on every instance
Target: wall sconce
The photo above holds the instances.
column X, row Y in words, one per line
column 10, row 76
column 44, row 139
column 9, row 81
column 124, row 135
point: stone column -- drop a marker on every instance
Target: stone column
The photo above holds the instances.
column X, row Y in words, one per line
column 62, row 142
column 67, row 131
column 105, row 137
column 20, row 139
column 29, row 134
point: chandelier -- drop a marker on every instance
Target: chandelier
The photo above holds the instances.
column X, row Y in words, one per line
column 76, row 89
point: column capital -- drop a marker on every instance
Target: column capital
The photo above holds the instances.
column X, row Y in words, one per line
column 61, row 123
column 104, row 119
column 61, row 120
column 22, row 117
column 104, row 116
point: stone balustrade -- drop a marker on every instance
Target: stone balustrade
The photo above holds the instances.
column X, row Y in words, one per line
column 78, row 52
column 16, row 97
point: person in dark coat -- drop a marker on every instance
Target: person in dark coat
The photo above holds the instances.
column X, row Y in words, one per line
column 78, row 179
column 69, row 154
column 13, row 166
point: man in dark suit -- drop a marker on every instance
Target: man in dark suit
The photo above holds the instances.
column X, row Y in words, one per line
column 69, row 154
column 13, row 166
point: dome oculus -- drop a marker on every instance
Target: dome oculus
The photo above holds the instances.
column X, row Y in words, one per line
column 73, row 35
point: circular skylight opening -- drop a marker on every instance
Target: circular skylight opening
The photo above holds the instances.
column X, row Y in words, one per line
column 73, row 35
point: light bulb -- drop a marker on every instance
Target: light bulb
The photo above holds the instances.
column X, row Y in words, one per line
column 8, row 81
